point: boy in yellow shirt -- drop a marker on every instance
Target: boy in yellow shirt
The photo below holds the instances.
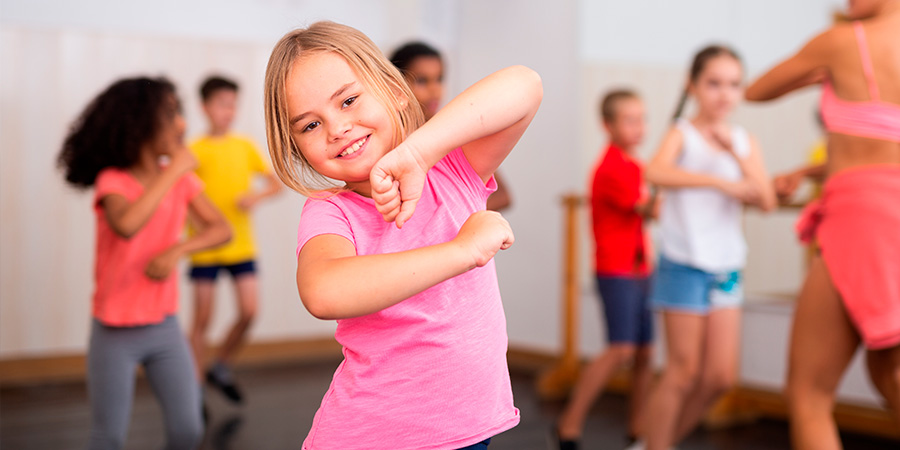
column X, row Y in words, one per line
column 227, row 164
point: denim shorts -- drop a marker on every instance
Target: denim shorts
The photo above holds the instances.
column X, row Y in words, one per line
column 211, row 272
column 626, row 308
column 677, row 287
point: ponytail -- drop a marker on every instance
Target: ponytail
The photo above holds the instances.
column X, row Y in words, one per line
column 679, row 110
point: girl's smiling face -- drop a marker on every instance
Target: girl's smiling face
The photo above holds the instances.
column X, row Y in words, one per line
column 339, row 125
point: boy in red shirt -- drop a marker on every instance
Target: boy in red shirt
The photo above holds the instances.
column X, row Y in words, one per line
column 619, row 205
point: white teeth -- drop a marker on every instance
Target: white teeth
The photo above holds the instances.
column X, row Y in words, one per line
column 353, row 148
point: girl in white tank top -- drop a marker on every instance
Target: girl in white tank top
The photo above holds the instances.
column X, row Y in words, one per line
column 709, row 169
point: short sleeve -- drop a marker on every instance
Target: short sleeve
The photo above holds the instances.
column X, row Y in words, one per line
column 257, row 164
column 456, row 166
column 113, row 181
column 617, row 184
column 192, row 185
column 321, row 216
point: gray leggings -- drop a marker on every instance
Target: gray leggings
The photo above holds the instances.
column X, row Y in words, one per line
column 162, row 350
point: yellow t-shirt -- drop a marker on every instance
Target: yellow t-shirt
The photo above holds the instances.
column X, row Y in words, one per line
column 227, row 166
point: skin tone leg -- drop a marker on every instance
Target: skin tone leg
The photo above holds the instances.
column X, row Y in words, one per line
column 642, row 378
column 591, row 382
column 884, row 370
column 823, row 342
column 203, row 300
column 247, row 297
column 684, row 346
column 718, row 368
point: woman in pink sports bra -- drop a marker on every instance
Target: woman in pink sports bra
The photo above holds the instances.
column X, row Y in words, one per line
column 852, row 291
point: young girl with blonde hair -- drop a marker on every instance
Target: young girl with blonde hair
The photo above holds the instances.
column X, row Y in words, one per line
column 852, row 290
column 394, row 242
column 710, row 170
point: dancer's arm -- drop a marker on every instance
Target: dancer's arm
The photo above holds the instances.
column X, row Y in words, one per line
column 125, row 217
column 213, row 230
column 249, row 200
column 808, row 66
column 786, row 183
column 486, row 120
column 335, row 283
column 664, row 172
column 754, row 170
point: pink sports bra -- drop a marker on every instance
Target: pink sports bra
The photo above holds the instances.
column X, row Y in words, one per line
column 871, row 119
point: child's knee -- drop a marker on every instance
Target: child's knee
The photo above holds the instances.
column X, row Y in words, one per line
column 186, row 432
column 719, row 383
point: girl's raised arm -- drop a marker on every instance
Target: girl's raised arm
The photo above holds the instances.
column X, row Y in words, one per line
column 127, row 218
column 664, row 171
column 486, row 120
column 806, row 67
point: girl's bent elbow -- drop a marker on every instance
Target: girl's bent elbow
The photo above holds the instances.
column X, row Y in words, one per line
column 317, row 308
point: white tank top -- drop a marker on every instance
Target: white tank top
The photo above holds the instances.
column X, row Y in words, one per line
column 701, row 227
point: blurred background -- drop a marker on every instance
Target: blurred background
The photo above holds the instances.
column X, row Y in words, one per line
column 56, row 55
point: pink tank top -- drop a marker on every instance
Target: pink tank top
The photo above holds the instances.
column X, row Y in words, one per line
column 871, row 119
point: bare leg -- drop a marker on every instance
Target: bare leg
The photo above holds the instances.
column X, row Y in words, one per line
column 684, row 344
column 884, row 370
column 591, row 382
column 203, row 300
column 718, row 369
column 247, row 296
column 641, row 377
column 823, row 342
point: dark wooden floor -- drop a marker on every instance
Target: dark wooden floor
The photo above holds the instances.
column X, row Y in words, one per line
column 281, row 404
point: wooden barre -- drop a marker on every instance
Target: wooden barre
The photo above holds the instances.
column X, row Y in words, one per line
column 556, row 382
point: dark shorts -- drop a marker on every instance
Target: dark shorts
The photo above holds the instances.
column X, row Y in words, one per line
column 627, row 309
column 483, row 445
column 211, row 272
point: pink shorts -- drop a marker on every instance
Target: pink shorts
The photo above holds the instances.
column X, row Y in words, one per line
column 857, row 225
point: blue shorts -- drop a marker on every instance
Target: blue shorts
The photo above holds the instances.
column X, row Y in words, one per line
column 677, row 287
column 211, row 272
column 627, row 310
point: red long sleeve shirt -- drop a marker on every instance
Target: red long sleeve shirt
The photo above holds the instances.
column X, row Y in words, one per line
column 618, row 228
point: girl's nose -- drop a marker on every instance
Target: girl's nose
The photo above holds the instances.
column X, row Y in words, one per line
column 339, row 129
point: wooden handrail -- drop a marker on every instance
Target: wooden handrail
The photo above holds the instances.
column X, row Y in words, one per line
column 556, row 382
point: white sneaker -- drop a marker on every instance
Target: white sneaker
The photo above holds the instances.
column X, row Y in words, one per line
column 641, row 445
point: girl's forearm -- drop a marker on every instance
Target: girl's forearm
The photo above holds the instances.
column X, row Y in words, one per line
column 211, row 235
column 130, row 219
column 358, row 285
column 674, row 177
column 497, row 102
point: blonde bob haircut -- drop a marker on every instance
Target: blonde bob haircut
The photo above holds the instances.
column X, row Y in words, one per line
column 378, row 75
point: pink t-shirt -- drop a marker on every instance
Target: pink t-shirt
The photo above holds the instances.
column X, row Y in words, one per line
column 123, row 295
column 429, row 372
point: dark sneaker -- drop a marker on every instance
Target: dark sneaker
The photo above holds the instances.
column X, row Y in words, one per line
column 220, row 377
column 558, row 443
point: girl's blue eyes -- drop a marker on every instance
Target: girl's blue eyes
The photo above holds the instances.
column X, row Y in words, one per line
column 313, row 125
